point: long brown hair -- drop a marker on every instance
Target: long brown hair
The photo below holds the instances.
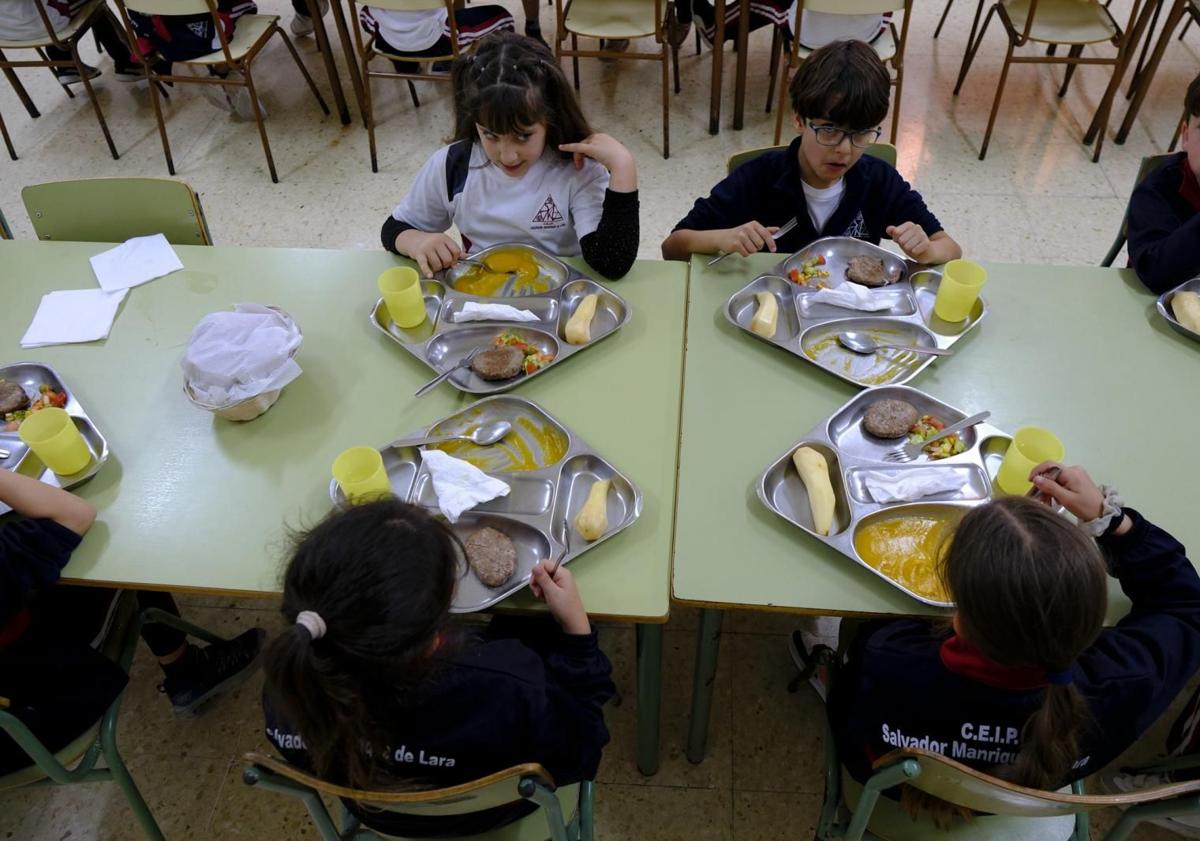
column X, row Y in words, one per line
column 1031, row 591
column 381, row 576
column 508, row 83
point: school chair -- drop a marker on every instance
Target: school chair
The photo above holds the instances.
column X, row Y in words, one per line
column 250, row 37
column 565, row 813
column 889, row 46
column 67, row 39
column 851, row 811
column 116, row 209
column 12, row 152
column 365, row 47
column 885, row 152
column 616, row 20
column 1148, row 165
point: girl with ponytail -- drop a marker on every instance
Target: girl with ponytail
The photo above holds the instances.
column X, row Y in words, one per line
column 372, row 685
column 1026, row 683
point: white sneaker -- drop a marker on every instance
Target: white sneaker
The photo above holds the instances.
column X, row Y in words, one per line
column 302, row 25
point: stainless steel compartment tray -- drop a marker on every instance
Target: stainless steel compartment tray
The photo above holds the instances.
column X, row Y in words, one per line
column 850, row 451
column 550, row 470
column 807, row 329
column 30, row 376
column 1164, row 306
column 440, row 343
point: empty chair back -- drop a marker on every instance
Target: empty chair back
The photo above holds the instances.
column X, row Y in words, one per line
column 116, row 209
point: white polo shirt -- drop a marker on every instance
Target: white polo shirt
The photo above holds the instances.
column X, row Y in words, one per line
column 551, row 205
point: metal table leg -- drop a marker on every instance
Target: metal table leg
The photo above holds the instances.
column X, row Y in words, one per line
column 739, row 82
column 718, row 56
column 323, row 46
column 708, row 645
column 649, row 692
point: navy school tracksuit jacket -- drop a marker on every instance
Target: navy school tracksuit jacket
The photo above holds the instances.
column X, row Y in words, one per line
column 768, row 190
column 906, row 684
column 1164, row 226
column 523, row 691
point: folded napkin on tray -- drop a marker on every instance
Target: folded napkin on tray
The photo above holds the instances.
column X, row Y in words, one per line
column 134, row 262
column 73, row 315
column 854, row 296
column 474, row 311
column 907, row 485
column 233, row 356
column 460, row 485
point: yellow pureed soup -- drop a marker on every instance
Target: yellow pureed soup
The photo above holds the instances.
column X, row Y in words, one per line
column 530, row 446
column 493, row 278
column 906, row 550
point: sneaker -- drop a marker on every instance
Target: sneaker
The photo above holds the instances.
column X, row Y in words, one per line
column 802, row 651
column 302, row 25
column 211, row 670
column 128, row 73
column 70, row 76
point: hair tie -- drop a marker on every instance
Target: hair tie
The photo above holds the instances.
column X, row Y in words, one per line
column 312, row 622
column 1062, row 678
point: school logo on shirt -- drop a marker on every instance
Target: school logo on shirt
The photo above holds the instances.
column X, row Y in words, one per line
column 198, row 28
column 857, row 228
column 548, row 217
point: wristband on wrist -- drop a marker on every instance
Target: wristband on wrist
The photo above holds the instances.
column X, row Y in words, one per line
column 1111, row 516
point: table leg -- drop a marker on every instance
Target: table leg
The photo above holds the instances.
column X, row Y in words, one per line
column 322, row 38
column 649, row 700
column 739, row 82
column 714, row 108
column 1173, row 19
column 349, row 53
column 708, row 645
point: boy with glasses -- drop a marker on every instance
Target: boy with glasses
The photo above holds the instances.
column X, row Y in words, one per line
column 839, row 97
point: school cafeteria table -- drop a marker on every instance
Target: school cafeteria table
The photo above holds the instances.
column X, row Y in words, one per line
column 1078, row 350
column 192, row 502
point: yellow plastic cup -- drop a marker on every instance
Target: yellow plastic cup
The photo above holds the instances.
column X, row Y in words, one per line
column 52, row 436
column 360, row 474
column 959, row 290
column 401, row 290
column 1031, row 445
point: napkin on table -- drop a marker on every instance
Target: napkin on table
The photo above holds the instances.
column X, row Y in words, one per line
column 73, row 315
column 460, row 485
column 475, row 311
column 854, row 296
column 908, row 485
column 134, row 262
column 233, row 356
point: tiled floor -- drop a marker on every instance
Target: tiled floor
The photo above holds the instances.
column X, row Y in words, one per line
column 1037, row 198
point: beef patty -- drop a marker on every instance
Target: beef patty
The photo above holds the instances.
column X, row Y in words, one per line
column 492, row 555
column 12, row 398
column 499, row 363
column 869, row 271
column 890, row 418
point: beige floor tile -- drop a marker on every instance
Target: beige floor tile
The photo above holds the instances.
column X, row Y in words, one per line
column 775, row 816
column 1075, row 230
column 995, row 228
column 21, row 812
column 661, row 813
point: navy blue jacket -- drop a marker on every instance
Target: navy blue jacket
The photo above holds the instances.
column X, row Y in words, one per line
column 1164, row 226
column 897, row 690
column 768, row 190
column 523, row 692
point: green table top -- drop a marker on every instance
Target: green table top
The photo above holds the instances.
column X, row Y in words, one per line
column 1078, row 350
column 191, row 501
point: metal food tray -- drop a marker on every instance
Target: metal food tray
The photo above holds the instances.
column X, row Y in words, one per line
column 31, row 375
column 440, row 343
column 806, row 327
column 850, row 451
column 1164, row 307
column 538, row 513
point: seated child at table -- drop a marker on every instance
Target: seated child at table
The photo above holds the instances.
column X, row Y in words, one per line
column 524, row 166
column 1164, row 211
column 55, row 680
column 1026, row 683
column 839, row 98
column 372, row 675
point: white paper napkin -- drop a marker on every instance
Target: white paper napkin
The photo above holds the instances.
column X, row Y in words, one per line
column 74, row 315
column 232, row 356
column 854, row 296
column 460, row 485
column 907, row 485
column 474, row 311
column 135, row 262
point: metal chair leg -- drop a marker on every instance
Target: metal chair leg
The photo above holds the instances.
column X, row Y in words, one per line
column 973, row 42
column 896, row 104
column 66, row 88
column 412, row 92
column 1075, row 52
column 91, row 94
column 776, row 50
column 312, row 86
column 575, row 59
column 258, row 118
column 369, row 112
column 162, row 128
column 942, row 19
column 120, row 775
column 987, row 136
column 666, row 100
column 12, row 152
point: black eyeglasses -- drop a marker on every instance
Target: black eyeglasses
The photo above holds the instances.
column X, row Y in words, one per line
column 833, row 136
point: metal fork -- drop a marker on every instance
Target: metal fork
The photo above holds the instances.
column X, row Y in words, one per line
column 908, row 452
column 787, row 227
column 566, row 545
column 462, row 363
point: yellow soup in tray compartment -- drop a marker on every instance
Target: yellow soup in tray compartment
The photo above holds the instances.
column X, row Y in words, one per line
column 531, row 445
column 908, row 550
column 501, row 267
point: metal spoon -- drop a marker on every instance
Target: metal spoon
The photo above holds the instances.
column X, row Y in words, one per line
column 862, row 343
column 484, row 435
column 445, row 375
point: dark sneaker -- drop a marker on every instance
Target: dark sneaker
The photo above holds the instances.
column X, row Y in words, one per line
column 129, row 74
column 212, row 670
column 70, row 76
column 805, row 653
column 441, row 66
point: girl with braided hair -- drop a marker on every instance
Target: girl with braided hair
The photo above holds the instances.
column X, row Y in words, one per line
column 524, row 166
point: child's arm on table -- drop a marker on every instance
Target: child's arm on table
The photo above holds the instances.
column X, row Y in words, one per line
column 37, row 501
column 745, row 240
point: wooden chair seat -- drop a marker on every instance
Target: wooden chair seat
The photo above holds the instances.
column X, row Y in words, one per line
column 1064, row 21
column 612, row 19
